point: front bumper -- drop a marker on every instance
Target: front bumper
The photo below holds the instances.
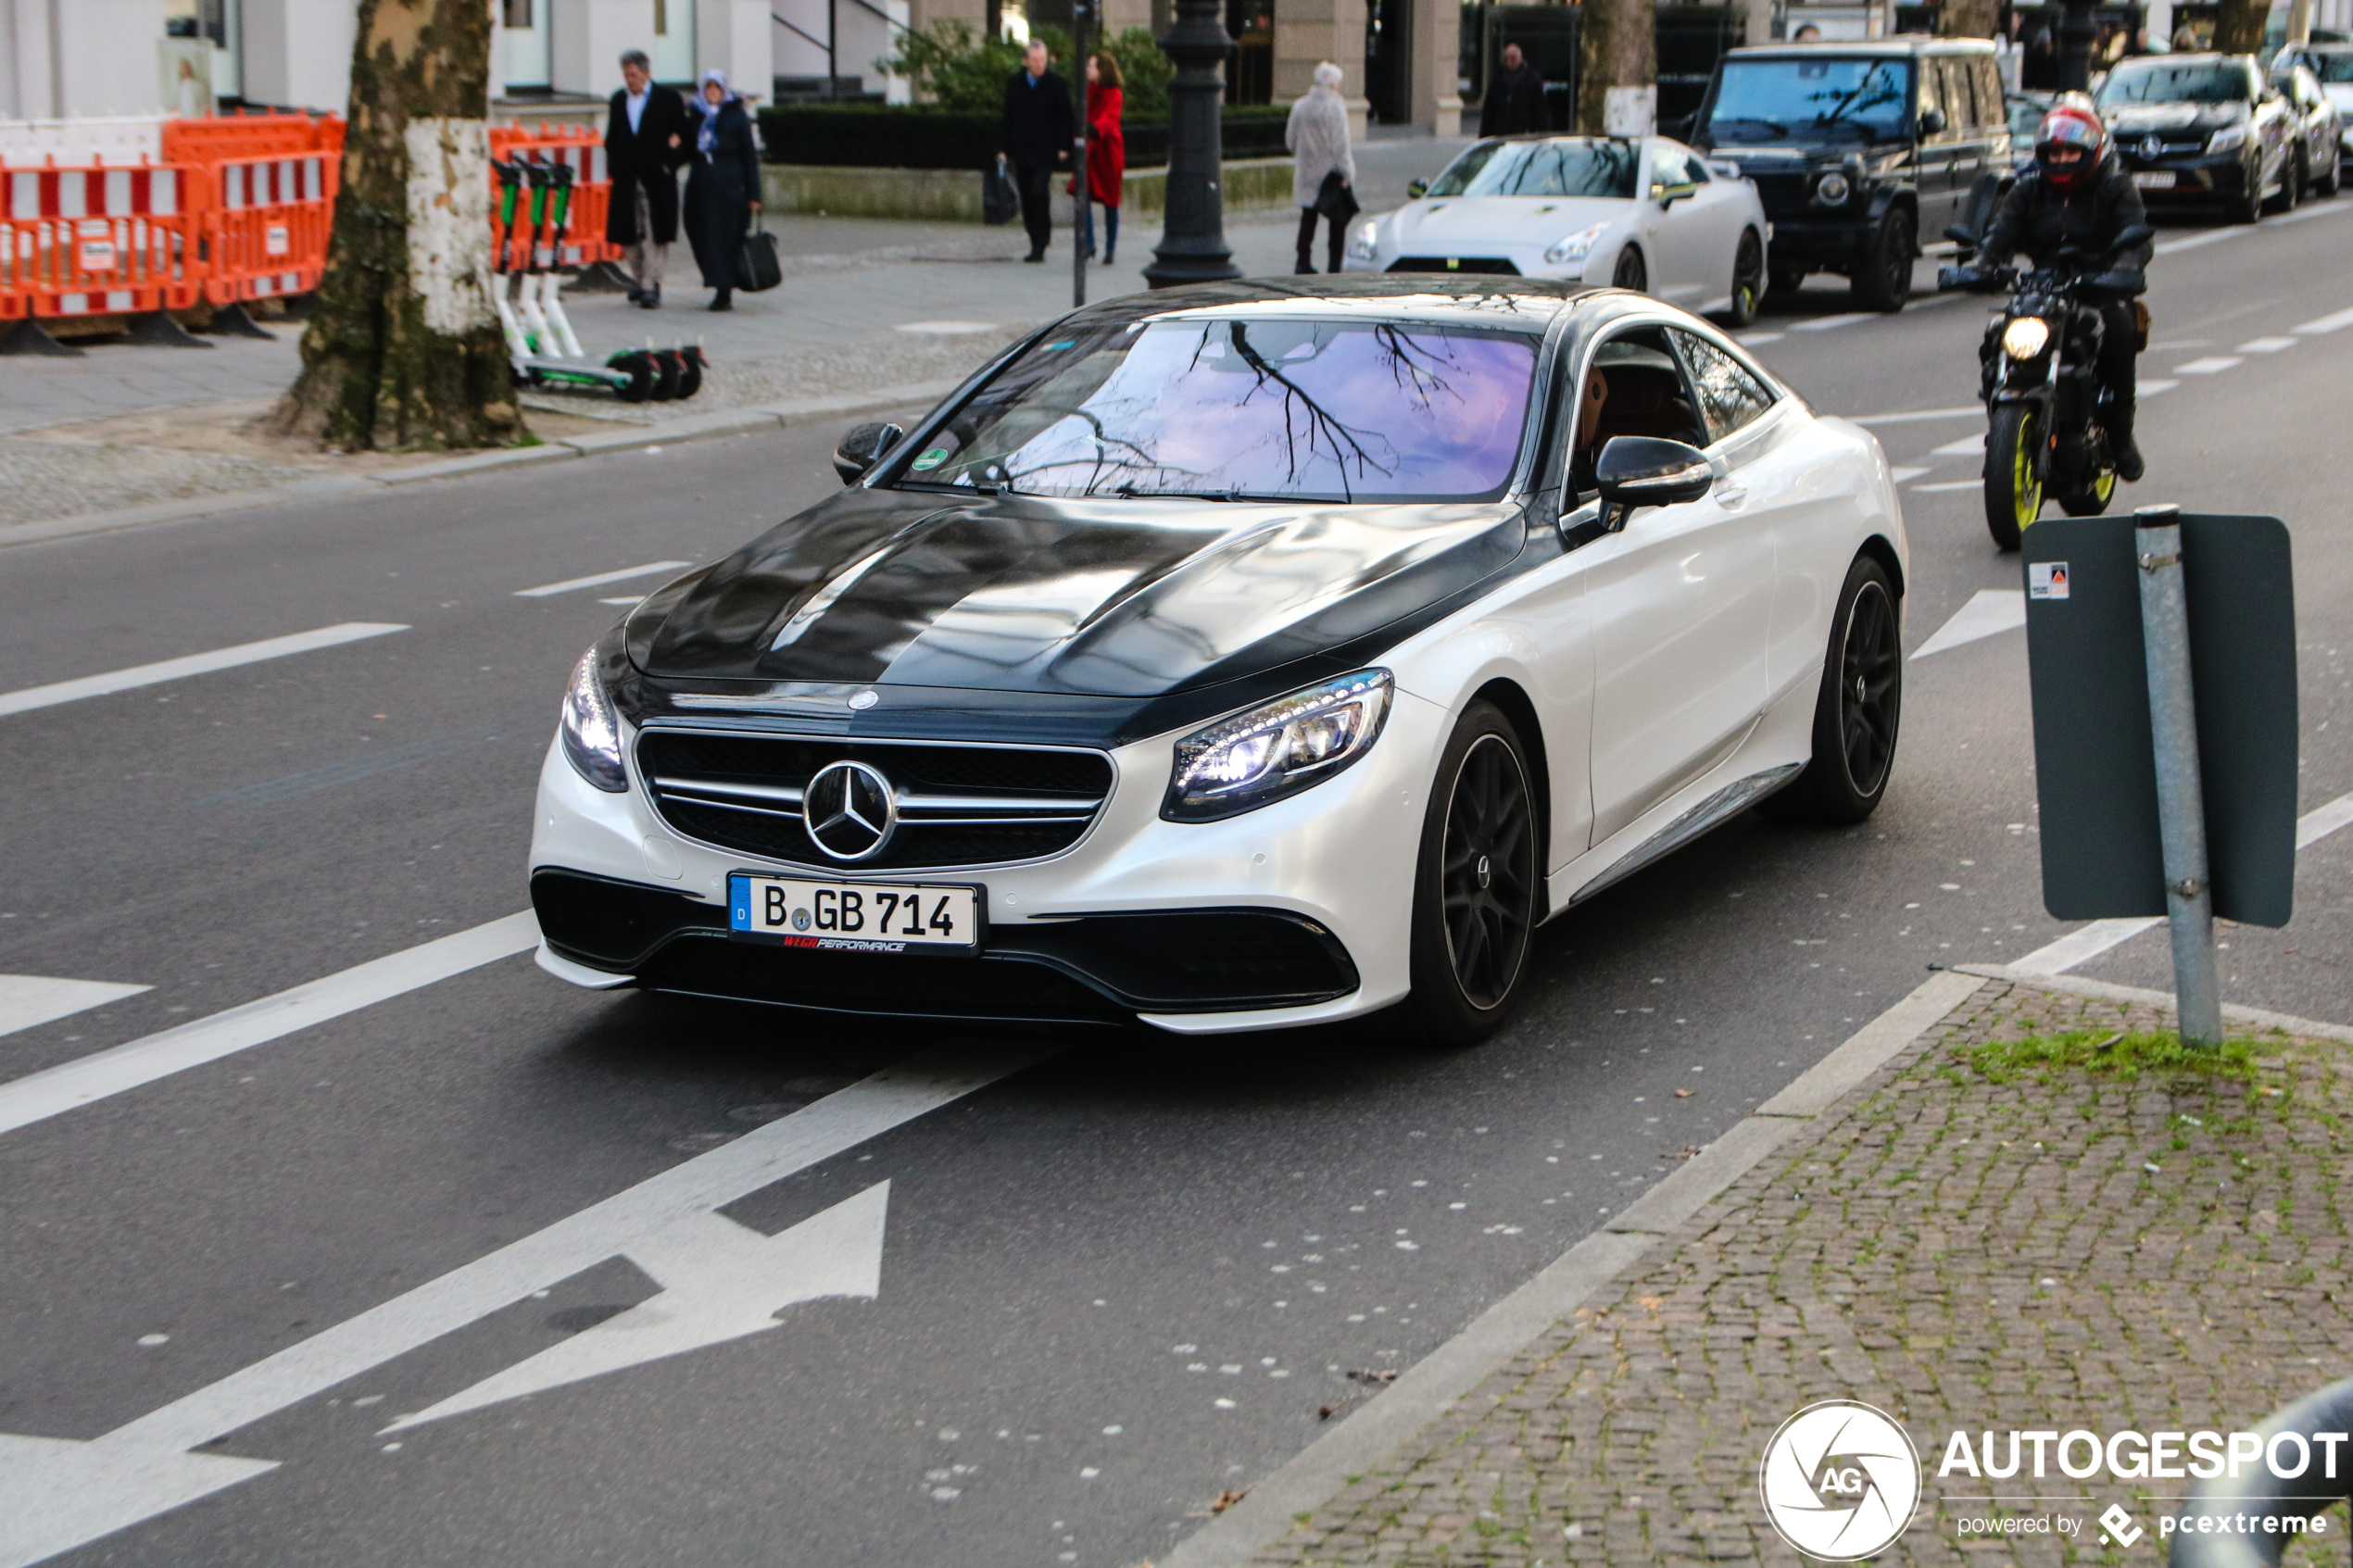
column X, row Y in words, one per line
column 2201, row 177
column 1292, row 913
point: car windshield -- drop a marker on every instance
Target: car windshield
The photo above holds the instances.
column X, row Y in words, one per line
column 2195, row 82
column 1243, row 409
column 1771, row 100
column 2332, row 67
column 1565, row 167
column 2026, row 118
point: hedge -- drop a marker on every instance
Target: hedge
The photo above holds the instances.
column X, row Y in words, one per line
column 890, row 136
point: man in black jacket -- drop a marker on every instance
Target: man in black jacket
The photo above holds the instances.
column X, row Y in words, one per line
column 1038, row 135
column 1515, row 102
column 646, row 138
column 2077, row 195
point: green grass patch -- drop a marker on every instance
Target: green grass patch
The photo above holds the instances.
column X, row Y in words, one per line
column 2108, row 1054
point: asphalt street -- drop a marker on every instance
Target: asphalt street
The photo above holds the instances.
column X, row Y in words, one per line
column 1086, row 1281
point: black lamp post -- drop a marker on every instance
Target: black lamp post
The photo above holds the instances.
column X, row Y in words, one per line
column 2075, row 34
column 1192, row 243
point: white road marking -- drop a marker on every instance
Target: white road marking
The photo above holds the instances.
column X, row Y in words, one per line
column 29, row 1000
column 1974, row 410
column 2211, row 236
column 625, row 599
column 2089, row 942
column 2308, row 214
column 2151, row 388
column 56, row 1495
column 1900, row 475
column 571, row 584
column 31, row 697
column 1943, row 485
column 2267, row 345
column 52, row 1092
column 1755, row 339
column 2213, row 364
column 947, row 329
column 1968, row 447
column 1988, row 611
column 1824, row 323
column 2324, row 325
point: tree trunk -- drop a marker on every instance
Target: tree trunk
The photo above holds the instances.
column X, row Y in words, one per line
column 2238, row 26
column 404, row 350
column 1617, row 68
column 1969, row 18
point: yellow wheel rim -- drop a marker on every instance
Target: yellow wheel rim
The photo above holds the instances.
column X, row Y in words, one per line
column 2103, row 487
column 2025, row 488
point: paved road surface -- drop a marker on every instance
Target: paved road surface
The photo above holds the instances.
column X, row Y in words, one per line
column 1110, row 1275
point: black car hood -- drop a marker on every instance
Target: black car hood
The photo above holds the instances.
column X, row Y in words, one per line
column 2129, row 121
column 1097, row 598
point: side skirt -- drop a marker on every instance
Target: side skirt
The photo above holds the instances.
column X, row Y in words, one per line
column 1726, row 802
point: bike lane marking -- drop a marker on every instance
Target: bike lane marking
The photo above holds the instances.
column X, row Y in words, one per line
column 30, row 697
column 1989, row 612
column 29, row 1000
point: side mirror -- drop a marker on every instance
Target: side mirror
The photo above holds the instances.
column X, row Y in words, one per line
column 1932, row 120
column 1417, row 189
column 1641, row 471
column 859, row 449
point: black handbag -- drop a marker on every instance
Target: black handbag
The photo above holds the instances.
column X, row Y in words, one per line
column 1335, row 200
column 756, row 267
column 1000, row 203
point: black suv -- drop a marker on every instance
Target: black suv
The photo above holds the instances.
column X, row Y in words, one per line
column 1857, row 149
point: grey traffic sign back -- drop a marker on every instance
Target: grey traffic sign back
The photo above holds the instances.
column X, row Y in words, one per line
column 2095, row 764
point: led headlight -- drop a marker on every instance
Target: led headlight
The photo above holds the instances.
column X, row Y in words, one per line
column 591, row 730
column 2025, row 337
column 1579, row 246
column 2230, row 136
column 1292, row 744
column 1367, row 235
column 1832, row 189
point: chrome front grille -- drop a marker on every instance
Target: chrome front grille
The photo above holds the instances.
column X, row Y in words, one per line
column 956, row 805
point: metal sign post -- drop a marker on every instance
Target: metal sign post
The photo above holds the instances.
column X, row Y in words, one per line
column 1081, row 13
column 2181, row 793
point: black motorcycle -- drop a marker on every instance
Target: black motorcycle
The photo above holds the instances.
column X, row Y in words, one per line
column 2046, row 433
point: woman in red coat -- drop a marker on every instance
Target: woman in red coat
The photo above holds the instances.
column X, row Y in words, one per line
column 1106, row 155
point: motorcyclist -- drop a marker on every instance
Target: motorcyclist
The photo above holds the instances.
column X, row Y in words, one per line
column 2077, row 195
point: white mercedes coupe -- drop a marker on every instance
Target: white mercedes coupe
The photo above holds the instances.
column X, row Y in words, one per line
column 1640, row 213
column 1235, row 656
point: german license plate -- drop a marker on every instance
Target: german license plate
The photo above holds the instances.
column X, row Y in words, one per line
column 2154, row 179
column 861, row 917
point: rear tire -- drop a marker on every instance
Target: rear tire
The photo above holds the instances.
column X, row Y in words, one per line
column 1748, row 281
column 1883, row 277
column 1475, row 885
column 2013, row 487
column 1859, row 709
column 1631, row 273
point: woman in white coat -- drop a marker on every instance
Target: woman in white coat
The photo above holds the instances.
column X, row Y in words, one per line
column 1317, row 137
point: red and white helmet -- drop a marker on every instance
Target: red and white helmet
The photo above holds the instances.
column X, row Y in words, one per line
column 2074, row 128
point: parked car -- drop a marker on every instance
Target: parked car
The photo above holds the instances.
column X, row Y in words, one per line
column 1237, row 657
column 2199, row 129
column 2026, row 111
column 1641, row 213
column 1858, row 149
column 2320, row 150
column 2331, row 63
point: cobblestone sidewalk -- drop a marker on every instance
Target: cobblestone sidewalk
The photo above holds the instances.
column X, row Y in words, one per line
column 1966, row 1242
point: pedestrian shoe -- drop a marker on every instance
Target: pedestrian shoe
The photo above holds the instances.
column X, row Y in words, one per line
column 635, row 294
column 1035, row 256
column 1302, row 271
column 722, row 302
column 650, row 299
column 2129, row 467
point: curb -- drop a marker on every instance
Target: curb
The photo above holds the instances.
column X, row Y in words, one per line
column 786, row 415
column 2075, row 986
column 1432, row 1387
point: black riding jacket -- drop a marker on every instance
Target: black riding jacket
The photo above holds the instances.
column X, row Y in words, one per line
column 2038, row 219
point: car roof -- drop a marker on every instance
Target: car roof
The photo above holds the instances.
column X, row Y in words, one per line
column 1525, row 304
column 1904, row 47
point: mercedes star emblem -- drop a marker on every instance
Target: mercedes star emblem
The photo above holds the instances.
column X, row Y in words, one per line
column 2152, row 146
column 850, row 810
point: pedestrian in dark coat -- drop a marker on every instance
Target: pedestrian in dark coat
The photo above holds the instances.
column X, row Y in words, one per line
column 646, row 136
column 723, row 186
column 1040, row 130
column 1515, row 102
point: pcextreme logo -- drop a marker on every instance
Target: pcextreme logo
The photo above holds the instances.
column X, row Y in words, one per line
column 1839, row 1480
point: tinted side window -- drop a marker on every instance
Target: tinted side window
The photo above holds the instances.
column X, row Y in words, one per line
column 1931, row 93
column 1729, row 396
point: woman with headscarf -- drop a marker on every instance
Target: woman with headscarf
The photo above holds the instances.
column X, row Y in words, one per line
column 723, row 191
column 1317, row 137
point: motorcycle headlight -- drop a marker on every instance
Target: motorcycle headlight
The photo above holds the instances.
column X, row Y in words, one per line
column 2026, row 337
column 1579, row 246
column 2230, row 136
column 1367, row 235
column 1292, row 744
column 590, row 729
column 1832, row 189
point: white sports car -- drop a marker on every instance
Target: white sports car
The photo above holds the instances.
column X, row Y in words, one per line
column 1639, row 213
column 1237, row 657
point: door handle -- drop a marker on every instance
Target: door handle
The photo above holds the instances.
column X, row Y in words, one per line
column 1731, row 495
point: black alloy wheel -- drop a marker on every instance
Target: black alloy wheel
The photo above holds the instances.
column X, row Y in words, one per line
column 1475, row 885
column 1748, row 281
column 1858, row 711
column 2290, row 189
column 1883, row 275
column 2248, row 205
column 1631, row 273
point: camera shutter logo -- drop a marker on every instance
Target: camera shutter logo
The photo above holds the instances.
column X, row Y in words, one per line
column 850, row 810
column 1839, row 1480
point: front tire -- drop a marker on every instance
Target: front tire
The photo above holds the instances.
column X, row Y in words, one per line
column 1475, row 885
column 1748, row 281
column 1858, row 709
column 2334, row 181
column 2013, row 480
column 1630, row 272
column 2291, row 185
column 1883, row 277
column 2248, row 205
